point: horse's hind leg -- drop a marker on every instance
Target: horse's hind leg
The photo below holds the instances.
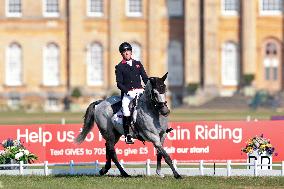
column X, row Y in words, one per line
column 107, row 166
column 110, row 146
column 109, row 156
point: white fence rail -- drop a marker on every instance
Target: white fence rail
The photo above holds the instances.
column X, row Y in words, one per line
column 197, row 168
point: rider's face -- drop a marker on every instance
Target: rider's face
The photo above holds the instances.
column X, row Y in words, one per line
column 126, row 55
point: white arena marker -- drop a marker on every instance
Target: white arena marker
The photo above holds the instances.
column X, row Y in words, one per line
column 229, row 168
column 21, row 169
column 148, row 168
column 63, row 121
column 201, row 168
column 45, row 168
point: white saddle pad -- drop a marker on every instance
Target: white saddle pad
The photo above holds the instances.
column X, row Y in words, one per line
column 117, row 118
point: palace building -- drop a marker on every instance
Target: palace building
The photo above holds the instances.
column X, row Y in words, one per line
column 48, row 48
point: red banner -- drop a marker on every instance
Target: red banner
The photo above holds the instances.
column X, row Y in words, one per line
column 210, row 140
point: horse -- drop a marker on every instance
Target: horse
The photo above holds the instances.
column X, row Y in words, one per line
column 151, row 124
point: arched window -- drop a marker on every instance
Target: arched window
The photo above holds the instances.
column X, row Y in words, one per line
column 13, row 72
column 95, row 68
column 136, row 51
column 175, row 63
column 271, row 62
column 230, row 64
column 51, row 65
column 270, row 49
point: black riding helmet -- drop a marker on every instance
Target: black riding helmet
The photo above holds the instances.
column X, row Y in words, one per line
column 124, row 46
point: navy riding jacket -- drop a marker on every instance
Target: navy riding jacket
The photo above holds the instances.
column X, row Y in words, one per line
column 128, row 77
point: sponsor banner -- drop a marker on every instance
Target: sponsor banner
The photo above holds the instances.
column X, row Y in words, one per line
column 208, row 140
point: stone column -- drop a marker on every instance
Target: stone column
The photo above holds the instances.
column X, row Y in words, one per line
column 248, row 30
column 116, row 11
column 192, row 42
column 77, row 46
column 211, row 59
column 157, row 38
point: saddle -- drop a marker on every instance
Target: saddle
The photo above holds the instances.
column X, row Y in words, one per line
column 117, row 118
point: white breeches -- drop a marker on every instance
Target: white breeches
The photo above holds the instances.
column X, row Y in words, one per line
column 127, row 99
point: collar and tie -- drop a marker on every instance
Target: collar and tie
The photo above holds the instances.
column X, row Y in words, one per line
column 129, row 62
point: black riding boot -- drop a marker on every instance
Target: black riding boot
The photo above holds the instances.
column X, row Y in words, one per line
column 126, row 124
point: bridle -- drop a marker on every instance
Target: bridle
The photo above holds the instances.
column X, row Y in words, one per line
column 160, row 106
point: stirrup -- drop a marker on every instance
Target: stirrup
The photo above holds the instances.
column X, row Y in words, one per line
column 128, row 139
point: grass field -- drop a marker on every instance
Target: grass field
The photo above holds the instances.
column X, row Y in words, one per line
column 176, row 115
column 106, row 182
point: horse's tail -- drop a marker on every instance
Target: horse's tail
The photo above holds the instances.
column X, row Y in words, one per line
column 89, row 119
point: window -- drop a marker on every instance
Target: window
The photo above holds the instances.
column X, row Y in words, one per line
column 175, row 8
column 134, row 8
column 13, row 74
column 175, row 63
column 50, row 8
column 230, row 7
column 271, row 7
column 51, row 65
column 95, row 8
column 13, row 8
column 271, row 62
column 136, row 51
column 14, row 100
column 52, row 104
column 95, row 65
column 230, row 64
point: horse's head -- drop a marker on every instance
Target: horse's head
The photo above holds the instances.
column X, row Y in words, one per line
column 156, row 89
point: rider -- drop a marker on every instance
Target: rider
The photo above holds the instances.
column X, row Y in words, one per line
column 128, row 80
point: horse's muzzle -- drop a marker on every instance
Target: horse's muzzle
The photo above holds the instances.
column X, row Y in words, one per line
column 165, row 111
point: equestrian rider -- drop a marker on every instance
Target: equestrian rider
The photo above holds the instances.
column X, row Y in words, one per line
column 128, row 80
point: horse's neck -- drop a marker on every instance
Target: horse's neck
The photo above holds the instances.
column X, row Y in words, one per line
column 148, row 108
column 145, row 103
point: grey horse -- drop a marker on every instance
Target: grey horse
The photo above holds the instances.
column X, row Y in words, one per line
column 151, row 124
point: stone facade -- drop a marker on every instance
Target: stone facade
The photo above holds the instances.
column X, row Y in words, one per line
column 200, row 32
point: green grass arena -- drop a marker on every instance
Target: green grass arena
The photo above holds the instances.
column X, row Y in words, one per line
column 110, row 182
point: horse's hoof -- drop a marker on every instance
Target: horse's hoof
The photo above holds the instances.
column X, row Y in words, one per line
column 178, row 176
column 101, row 172
column 160, row 174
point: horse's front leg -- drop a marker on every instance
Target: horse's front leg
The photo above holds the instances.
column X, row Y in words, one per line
column 168, row 160
column 159, row 164
column 159, row 157
column 158, row 145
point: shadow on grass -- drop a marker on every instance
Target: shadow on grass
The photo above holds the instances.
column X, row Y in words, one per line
column 96, row 176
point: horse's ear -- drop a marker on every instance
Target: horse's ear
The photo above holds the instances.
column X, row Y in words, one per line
column 165, row 76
